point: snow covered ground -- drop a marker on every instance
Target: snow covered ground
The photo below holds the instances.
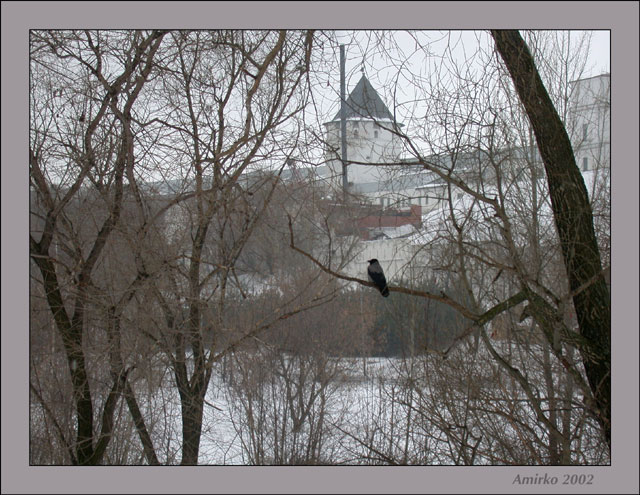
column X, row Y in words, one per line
column 274, row 409
column 351, row 404
column 366, row 416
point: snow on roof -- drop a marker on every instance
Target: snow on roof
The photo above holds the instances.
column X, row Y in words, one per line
column 394, row 232
column 432, row 185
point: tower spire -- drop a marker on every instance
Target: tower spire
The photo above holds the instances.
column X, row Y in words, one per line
column 364, row 102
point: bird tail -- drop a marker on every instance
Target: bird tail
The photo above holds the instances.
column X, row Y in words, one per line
column 385, row 291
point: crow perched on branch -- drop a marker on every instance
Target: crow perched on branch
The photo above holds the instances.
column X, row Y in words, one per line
column 376, row 275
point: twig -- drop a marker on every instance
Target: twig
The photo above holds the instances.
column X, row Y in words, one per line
column 442, row 297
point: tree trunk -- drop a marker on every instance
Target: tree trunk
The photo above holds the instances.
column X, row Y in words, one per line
column 573, row 218
column 192, row 408
column 71, row 332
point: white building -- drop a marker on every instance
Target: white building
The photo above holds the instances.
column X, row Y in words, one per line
column 371, row 142
column 590, row 122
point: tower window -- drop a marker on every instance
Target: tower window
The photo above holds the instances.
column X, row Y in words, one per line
column 375, row 133
column 585, row 164
column 585, row 128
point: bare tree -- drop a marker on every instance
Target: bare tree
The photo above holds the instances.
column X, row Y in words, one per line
column 494, row 235
column 229, row 101
column 574, row 221
column 84, row 88
column 176, row 234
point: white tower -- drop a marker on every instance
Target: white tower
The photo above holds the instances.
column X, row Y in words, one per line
column 370, row 138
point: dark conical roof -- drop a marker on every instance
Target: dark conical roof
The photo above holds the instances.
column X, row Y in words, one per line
column 364, row 102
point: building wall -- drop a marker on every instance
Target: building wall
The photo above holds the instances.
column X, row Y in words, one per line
column 590, row 122
column 367, row 142
column 399, row 259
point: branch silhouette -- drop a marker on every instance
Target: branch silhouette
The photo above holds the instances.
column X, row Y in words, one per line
column 441, row 297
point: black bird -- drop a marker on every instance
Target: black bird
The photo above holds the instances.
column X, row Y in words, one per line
column 376, row 275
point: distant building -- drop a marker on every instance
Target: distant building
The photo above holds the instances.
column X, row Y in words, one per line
column 590, row 122
column 371, row 139
column 372, row 142
column 376, row 168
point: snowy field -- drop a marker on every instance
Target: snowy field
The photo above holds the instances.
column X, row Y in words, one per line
column 346, row 410
column 226, row 438
column 270, row 409
column 366, row 413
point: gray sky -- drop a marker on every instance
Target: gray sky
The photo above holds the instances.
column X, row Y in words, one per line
column 382, row 73
column 391, row 76
column 600, row 56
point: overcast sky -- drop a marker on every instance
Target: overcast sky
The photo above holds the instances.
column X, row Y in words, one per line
column 361, row 53
column 600, row 56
